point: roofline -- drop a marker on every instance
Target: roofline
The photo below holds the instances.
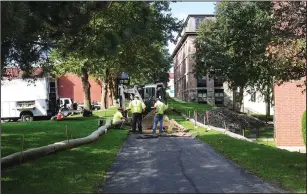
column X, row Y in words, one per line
column 184, row 37
column 187, row 19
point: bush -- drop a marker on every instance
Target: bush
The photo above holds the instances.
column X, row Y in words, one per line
column 304, row 126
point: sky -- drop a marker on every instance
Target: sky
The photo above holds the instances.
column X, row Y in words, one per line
column 182, row 9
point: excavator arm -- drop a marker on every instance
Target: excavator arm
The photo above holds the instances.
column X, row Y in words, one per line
column 124, row 93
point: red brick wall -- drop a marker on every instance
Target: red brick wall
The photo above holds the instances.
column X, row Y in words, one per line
column 70, row 86
column 290, row 103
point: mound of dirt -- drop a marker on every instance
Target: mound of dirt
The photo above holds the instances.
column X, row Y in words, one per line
column 234, row 122
column 169, row 126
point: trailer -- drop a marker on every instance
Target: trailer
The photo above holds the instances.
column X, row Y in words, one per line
column 28, row 99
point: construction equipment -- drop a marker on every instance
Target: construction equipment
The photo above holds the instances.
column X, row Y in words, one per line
column 146, row 94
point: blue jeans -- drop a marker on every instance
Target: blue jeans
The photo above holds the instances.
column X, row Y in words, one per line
column 158, row 118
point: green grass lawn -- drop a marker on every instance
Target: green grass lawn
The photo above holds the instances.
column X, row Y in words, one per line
column 267, row 143
column 79, row 170
column 285, row 168
column 41, row 133
column 188, row 106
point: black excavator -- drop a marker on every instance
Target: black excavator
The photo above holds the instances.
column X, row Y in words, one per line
column 146, row 93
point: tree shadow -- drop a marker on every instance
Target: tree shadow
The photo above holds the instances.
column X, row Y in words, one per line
column 175, row 165
column 73, row 171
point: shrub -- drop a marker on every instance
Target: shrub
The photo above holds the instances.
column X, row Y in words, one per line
column 304, row 126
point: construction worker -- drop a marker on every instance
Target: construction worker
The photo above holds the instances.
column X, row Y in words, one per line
column 137, row 107
column 159, row 110
column 118, row 119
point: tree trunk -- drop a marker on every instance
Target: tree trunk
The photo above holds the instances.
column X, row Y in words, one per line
column 106, row 89
column 102, row 94
column 234, row 99
column 268, row 105
column 86, row 89
column 21, row 157
column 112, row 91
column 240, row 99
column 268, row 111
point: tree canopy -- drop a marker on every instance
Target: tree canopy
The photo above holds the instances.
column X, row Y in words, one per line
column 126, row 37
column 253, row 44
column 233, row 44
column 33, row 28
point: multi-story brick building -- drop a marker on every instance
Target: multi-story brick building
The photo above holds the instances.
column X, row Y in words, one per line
column 187, row 86
column 204, row 89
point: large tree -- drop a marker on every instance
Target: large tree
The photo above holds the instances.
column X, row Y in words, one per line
column 118, row 39
column 33, row 28
column 233, row 43
column 288, row 46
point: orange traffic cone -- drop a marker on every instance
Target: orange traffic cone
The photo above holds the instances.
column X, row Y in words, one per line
column 59, row 117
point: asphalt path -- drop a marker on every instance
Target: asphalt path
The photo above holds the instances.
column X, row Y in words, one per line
column 177, row 165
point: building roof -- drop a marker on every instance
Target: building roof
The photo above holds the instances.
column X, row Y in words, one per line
column 184, row 37
column 187, row 33
column 187, row 19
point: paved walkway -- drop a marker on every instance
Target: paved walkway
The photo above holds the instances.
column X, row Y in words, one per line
column 177, row 165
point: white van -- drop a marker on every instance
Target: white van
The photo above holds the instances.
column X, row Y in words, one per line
column 27, row 99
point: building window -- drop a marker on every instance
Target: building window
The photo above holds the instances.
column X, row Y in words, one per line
column 202, row 96
column 218, row 82
column 219, row 96
column 201, row 81
column 198, row 21
column 253, row 96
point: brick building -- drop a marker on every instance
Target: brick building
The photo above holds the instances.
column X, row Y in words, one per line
column 290, row 103
column 187, row 86
column 70, row 86
column 203, row 89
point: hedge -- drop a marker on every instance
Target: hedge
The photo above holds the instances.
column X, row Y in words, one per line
column 304, row 126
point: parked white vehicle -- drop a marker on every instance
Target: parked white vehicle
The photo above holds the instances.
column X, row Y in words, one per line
column 68, row 101
column 27, row 99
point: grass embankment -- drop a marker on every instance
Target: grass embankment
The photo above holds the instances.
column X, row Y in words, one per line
column 78, row 170
column 265, row 142
column 271, row 164
column 265, row 132
column 41, row 133
column 184, row 107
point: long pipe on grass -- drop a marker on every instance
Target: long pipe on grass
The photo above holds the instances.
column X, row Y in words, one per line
column 20, row 157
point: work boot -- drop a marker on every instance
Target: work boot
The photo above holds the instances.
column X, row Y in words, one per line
column 162, row 133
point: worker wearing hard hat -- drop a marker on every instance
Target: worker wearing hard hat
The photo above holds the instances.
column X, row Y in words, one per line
column 159, row 109
column 137, row 107
column 118, row 119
